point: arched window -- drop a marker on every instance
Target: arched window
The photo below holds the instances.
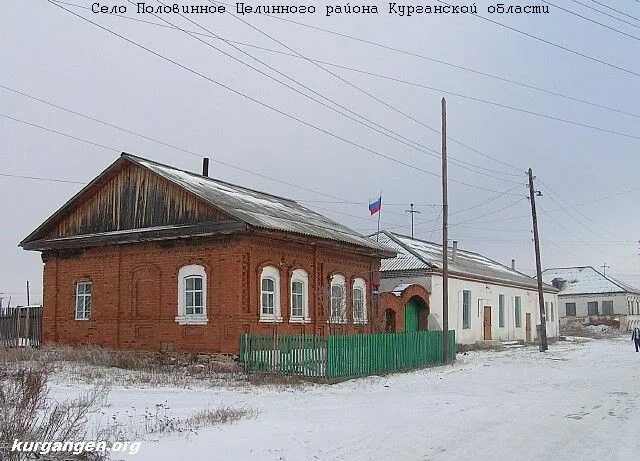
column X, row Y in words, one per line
column 338, row 312
column 270, row 295
column 299, row 296
column 192, row 295
column 359, row 301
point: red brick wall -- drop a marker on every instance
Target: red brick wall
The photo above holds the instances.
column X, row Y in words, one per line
column 135, row 291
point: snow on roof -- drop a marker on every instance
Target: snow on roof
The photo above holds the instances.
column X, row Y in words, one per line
column 585, row 280
column 259, row 209
column 400, row 288
column 415, row 254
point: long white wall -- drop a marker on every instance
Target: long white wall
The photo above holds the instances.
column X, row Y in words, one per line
column 483, row 294
column 621, row 303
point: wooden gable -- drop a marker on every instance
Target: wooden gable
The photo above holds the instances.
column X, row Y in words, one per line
column 131, row 197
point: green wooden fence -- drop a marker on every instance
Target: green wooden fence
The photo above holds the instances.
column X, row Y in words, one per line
column 342, row 356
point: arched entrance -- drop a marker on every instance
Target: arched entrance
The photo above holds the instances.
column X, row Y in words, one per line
column 389, row 321
column 416, row 314
column 405, row 308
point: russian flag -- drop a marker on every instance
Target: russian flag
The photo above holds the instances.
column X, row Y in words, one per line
column 375, row 206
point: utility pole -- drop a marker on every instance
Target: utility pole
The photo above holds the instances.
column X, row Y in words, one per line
column 604, row 268
column 445, row 240
column 536, row 239
column 28, row 303
column 412, row 211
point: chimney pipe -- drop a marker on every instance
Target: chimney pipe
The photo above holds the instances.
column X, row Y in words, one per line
column 513, row 264
column 205, row 166
column 454, row 251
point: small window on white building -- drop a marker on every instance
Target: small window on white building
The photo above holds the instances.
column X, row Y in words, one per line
column 270, row 295
column 570, row 309
column 607, row 307
column 592, row 308
column 299, row 296
column 553, row 313
column 517, row 302
column 466, row 309
column 359, row 301
column 501, row 303
column 338, row 306
column 84, row 292
column 192, row 295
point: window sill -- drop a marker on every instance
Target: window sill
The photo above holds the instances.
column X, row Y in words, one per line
column 185, row 320
column 83, row 320
column 299, row 320
column 271, row 319
column 338, row 322
column 359, row 322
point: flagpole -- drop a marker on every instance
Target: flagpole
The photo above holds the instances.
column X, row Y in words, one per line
column 379, row 213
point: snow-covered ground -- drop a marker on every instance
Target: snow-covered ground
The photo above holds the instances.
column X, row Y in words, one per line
column 579, row 401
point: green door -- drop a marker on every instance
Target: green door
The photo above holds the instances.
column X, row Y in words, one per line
column 411, row 316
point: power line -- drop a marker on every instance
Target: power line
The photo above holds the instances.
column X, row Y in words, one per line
column 422, row 148
column 546, row 187
column 268, row 106
column 427, row 87
column 592, row 20
column 51, row 130
column 490, row 212
column 556, row 45
column 607, row 14
column 439, row 61
column 361, row 90
column 616, row 10
column 39, row 178
column 574, row 235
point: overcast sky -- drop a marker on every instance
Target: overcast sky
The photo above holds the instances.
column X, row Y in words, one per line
column 49, row 53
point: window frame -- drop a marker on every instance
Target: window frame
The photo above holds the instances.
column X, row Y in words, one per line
column 192, row 271
column 517, row 311
column 86, row 313
column 501, row 311
column 591, row 303
column 574, row 310
column 609, row 302
column 273, row 274
column 466, row 310
column 338, row 280
column 360, row 285
column 300, row 276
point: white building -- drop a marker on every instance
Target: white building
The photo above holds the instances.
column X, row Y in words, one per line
column 487, row 300
column 589, row 296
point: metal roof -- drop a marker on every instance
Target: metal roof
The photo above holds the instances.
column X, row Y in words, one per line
column 420, row 255
column 586, row 280
column 259, row 209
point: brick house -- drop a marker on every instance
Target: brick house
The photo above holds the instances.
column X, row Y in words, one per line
column 150, row 257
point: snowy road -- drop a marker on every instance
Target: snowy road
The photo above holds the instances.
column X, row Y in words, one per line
column 580, row 401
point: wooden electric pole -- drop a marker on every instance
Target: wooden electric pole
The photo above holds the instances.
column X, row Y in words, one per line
column 412, row 211
column 28, row 295
column 445, row 240
column 543, row 321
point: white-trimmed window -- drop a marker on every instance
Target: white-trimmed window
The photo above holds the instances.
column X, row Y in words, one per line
column 299, row 296
column 359, row 295
column 192, row 295
column 84, row 291
column 338, row 306
column 270, row 295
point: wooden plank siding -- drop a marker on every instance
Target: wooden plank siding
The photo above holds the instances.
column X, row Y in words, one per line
column 134, row 198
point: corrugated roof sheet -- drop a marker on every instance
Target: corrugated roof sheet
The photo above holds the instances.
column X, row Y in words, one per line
column 259, row 209
column 586, row 280
column 414, row 254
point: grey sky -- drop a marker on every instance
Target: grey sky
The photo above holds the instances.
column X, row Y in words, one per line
column 51, row 54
